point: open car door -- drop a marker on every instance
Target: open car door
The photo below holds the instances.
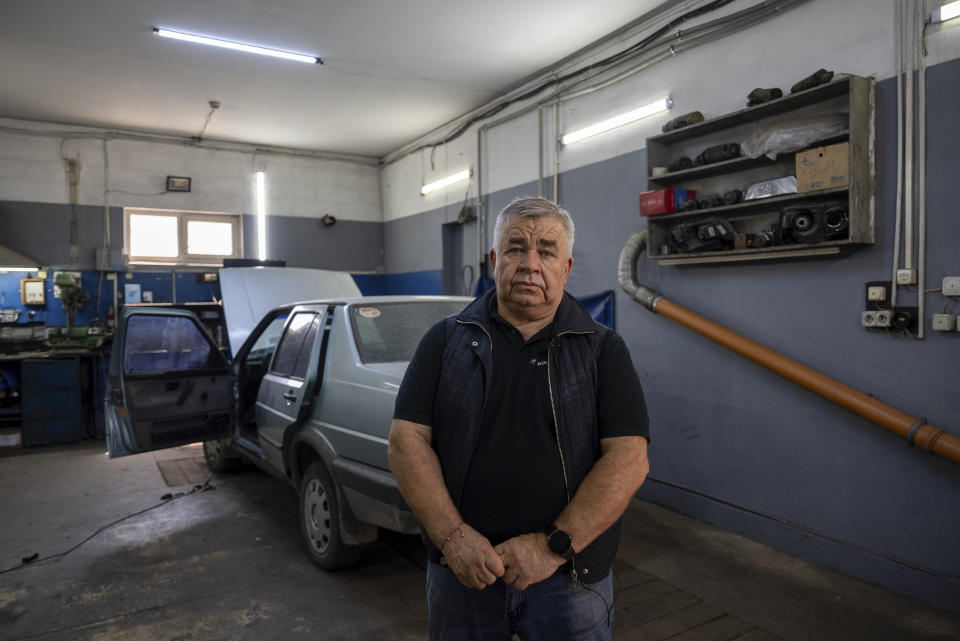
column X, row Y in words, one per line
column 168, row 383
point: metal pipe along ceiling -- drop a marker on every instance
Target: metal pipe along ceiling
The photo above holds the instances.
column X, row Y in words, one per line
column 916, row 431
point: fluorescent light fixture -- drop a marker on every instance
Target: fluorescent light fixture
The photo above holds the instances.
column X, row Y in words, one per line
column 949, row 10
column 449, row 180
column 618, row 121
column 261, row 215
column 236, row 46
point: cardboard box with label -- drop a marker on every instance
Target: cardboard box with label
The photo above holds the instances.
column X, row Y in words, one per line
column 823, row 167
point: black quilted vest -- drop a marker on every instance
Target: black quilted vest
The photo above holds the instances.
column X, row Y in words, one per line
column 572, row 368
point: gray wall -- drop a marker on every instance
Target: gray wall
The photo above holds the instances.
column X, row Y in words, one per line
column 304, row 242
column 42, row 231
column 735, row 444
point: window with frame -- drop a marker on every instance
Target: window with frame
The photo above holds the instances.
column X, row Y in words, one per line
column 167, row 237
column 293, row 354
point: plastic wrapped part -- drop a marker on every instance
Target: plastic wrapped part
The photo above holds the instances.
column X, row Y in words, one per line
column 768, row 188
column 793, row 135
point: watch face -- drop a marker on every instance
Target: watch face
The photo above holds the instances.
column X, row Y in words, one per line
column 558, row 542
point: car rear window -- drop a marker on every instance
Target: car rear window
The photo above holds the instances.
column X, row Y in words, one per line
column 390, row 332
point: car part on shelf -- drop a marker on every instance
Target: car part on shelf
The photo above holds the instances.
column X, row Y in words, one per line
column 759, row 95
column 817, row 78
column 718, row 153
column 703, row 235
column 681, row 163
column 685, row 120
column 814, row 222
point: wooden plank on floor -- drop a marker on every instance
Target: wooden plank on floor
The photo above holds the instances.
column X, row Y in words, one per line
column 723, row 629
column 643, row 592
column 627, row 576
column 653, row 609
column 757, row 635
column 672, row 624
column 183, row 471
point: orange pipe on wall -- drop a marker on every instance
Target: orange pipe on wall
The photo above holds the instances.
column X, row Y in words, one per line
column 926, row 436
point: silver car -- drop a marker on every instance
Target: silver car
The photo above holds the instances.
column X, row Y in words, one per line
column 308, row 397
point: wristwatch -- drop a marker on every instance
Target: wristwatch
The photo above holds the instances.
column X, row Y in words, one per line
column 559, row 542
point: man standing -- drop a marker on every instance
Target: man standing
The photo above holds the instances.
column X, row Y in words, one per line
column 519, row 437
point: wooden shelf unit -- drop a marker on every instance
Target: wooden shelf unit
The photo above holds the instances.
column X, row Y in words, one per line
column 852, row 96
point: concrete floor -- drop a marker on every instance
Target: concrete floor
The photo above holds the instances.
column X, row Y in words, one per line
column 229, row 564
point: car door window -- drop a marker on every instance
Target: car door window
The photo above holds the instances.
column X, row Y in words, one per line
column 167, row 343
column 263, row 348
column 293, row 353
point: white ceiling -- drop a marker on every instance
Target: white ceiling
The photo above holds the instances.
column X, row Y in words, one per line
column 393, row 70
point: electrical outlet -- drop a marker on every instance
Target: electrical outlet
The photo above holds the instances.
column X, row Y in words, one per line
column 951, row 286
column 876, row 293
column 883, row 318
column 907, row 276
column 868, row 319
column 943, row 322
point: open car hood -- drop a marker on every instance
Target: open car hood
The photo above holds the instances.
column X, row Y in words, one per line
column 250, row 292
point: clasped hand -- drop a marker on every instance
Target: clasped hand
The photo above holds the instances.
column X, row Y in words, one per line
column 521, row 561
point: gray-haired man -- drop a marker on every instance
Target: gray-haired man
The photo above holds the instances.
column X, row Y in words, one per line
column 519, row 436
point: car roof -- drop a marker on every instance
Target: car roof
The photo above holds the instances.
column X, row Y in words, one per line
column 377, row 300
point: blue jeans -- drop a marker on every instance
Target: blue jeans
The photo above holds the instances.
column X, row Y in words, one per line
column 556, row 609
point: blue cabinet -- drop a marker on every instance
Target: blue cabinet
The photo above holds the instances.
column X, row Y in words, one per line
column 54, row 407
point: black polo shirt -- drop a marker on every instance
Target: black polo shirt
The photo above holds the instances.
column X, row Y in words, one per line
column 514, row 484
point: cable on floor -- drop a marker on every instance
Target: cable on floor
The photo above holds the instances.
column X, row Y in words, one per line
column 166, row 499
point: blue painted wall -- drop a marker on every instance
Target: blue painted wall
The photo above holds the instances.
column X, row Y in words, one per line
column 426, row 282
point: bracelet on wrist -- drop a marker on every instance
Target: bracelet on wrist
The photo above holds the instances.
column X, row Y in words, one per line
column 455, row 528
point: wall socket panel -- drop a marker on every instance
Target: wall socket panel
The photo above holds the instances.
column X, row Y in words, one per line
column 907, row 276
column 877, row 295
column 951, row 286
column 943, row 322
column 876, row 319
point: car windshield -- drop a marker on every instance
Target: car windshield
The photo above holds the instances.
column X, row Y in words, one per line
column 390, row 332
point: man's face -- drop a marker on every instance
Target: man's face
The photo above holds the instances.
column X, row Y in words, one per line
column 531, row 266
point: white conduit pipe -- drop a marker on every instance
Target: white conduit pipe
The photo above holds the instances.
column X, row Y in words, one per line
column 910, row 20
column 921, row 173
column 898, row 30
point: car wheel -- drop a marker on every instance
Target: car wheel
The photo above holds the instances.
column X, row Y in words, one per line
column 320, row 520
column 217, row 454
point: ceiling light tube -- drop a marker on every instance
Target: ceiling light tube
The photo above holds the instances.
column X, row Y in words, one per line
column 236, row 46
column 618, row 121
column 443, row 182
column 949, row 11
column 261, row 215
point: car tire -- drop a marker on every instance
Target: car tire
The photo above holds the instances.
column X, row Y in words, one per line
column 320, row 520
column 218, row 456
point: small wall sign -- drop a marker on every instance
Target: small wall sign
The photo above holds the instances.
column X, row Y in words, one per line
column 178, row 183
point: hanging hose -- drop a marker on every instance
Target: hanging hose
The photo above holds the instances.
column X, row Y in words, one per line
column 916, row 431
